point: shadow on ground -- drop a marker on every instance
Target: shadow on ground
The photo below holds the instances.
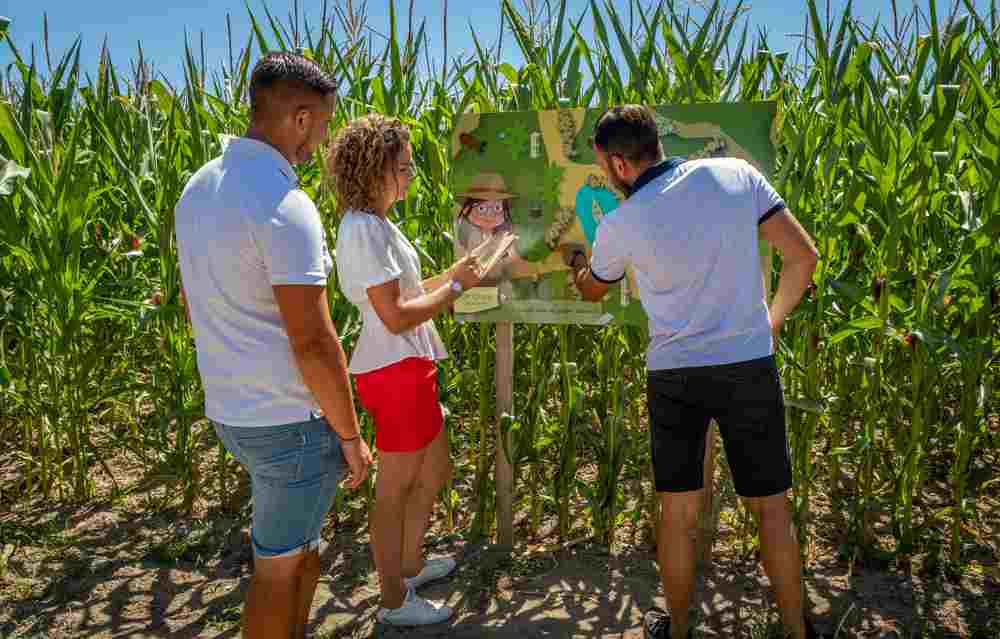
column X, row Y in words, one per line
column 100, row 572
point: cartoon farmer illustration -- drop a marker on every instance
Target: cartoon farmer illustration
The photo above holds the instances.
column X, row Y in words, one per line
column 484, row 213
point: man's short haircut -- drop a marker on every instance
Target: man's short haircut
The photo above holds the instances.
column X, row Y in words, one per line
column 294, row 71
column 629, row 131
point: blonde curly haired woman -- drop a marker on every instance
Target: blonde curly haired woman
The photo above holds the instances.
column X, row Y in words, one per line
column 371, row 164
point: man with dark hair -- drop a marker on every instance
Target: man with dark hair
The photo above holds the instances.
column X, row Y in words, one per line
column 690, row 230
column 284, row 74
column 630, row 132
column 254, row 265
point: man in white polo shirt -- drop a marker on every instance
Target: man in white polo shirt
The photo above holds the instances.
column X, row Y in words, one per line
column 254, row 266
column 690, row 232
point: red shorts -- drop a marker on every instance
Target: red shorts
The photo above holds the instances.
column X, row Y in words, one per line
column 402, row 398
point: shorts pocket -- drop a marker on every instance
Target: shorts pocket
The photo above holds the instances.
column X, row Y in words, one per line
column 274, row 455
column 751, row 383
column 665, row 385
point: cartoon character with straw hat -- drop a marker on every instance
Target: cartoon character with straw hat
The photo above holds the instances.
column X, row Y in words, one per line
column 485, row 213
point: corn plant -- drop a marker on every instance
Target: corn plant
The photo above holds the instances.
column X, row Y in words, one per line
column 887, row 139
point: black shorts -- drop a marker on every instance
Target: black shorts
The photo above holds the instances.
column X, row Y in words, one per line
column 746, row 401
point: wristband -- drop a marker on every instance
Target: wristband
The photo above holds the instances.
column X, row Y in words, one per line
column 350, row 439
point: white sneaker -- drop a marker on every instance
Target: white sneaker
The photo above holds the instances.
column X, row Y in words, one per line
column 433, row 569
column 415, row 611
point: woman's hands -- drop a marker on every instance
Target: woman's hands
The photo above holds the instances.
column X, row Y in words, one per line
column 467, row 272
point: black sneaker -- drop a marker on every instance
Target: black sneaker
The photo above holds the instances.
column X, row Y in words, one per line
column 656, row 624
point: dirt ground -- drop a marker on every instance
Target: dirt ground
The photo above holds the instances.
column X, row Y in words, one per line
column 130, row 568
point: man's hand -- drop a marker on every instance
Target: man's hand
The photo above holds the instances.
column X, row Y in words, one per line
column 575, row 257
column 359, row 458
column 184, row 301
column 569, row 253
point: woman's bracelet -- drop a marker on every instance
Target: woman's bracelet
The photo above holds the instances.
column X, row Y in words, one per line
column 350, row 439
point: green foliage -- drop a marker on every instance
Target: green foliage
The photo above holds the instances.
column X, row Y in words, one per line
column 517, row 139
column 550, row 184
column 887, row 152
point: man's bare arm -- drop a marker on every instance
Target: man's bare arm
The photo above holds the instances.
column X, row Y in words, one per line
column 318, row 353
column 323, row 365
column 798, row 263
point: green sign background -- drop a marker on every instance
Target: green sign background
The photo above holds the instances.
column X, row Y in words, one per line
column 545, row 161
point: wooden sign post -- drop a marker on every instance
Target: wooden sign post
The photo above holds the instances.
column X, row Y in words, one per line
column 505, row 404
column 708, row 521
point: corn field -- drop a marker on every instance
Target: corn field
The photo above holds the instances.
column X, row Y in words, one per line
column 888, row 144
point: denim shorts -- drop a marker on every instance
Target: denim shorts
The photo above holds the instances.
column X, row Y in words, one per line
column 294, row 471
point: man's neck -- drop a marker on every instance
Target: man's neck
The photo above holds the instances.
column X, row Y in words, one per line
column 638, row 181
column 260, row 133
column 645, row 166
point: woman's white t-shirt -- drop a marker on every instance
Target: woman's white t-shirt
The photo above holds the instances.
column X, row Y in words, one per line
column 371, row 251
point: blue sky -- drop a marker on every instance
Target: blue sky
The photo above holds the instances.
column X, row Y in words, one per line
column 161, row 31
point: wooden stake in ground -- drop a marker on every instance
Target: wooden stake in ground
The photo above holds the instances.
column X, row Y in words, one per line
column 505, row 404
column 708, row 520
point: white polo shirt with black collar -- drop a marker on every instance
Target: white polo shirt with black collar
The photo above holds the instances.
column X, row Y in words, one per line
column 242, row 227
column 690, row 232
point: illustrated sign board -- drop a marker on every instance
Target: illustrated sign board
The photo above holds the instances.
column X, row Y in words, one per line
column 531, row 176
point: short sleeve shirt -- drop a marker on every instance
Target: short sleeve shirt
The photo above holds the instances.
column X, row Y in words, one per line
column 691, row 236
column 243, row 227
column 371, row 251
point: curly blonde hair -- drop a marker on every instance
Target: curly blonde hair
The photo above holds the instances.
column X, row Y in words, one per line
column 359, row 158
